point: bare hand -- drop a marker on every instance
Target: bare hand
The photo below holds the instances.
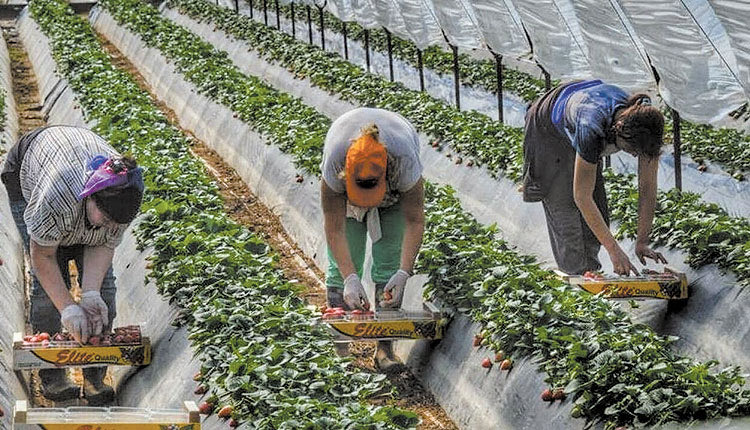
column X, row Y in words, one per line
column 644, row 251
column 621, row 263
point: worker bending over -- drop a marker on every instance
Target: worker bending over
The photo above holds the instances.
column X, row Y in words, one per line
column 568, row 132
column 72, row 196
column 372, row 184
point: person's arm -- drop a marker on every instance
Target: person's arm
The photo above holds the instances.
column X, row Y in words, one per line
column 412, row 205
column 584, row 180
column 44, row 263
column 334, row 219
column 647, row 187
column 96, row 263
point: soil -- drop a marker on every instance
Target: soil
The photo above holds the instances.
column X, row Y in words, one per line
column 244, row 207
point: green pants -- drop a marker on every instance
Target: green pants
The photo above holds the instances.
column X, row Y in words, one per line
column 386, row 253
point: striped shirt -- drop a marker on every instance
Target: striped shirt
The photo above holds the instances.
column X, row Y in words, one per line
column 53, row 173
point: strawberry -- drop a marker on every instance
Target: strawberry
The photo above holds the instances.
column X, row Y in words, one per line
column 200, row 389
column 486, row 363
column 477, row 340
column 234, row 423
column 558, row 394
column 206, row 408
column 225, row 412
column 94, row 340
column 547, row 395
column 43, row 336
column 34, row 339
column 27, row 338
column 357, row 312
column 506, row 364
column 499, row 356
column 197, row 376
column 299, row 179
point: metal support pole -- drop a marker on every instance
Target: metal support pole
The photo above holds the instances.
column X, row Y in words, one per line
column 547, row 80
column 389, row 39
column 346, row 45
column 499, row 72
column 294, row 19
column 456, row 77
column 309, row 23
column 677, row 144
column 367, row 49
column 278, row 18
column 322, row 28
column 265, row 12
column 236, row 6
column 607, row 161
column 251, row 8
column 420, row 67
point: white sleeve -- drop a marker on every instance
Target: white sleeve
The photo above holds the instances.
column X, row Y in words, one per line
column 410, row 163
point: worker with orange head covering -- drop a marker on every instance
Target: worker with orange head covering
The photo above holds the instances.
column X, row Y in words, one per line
column 372, row 185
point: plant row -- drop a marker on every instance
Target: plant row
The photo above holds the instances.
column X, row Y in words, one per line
column 473, row 72
column 470, row 134
column 261, row 352
column 615, row 371
column 702, row 142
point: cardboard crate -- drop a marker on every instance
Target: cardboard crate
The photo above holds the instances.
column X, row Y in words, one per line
column 384, row 325
column 670, row 285
column 111, row 418
column 72, row 354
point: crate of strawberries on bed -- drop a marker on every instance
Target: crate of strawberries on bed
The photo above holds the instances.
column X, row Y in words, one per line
column 124, row 346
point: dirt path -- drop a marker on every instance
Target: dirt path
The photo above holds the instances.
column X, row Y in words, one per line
column 244, row 207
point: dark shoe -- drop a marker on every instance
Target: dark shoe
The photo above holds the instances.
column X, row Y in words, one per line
column 96, row 392
column 57, row 387
column 385, row 359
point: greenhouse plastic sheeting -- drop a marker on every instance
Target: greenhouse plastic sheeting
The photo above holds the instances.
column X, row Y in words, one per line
column 390, row 18
column 694, row 78
column 735, row 17
column 501, row 28
column 613, row 53
column 342, row 9
column 458, row 23
column 553, row 43
column 421, row 23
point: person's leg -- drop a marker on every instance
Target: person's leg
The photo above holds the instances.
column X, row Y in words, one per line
column 567, row 228
column 386, row 260
column 356, row 238
column 95, row 390
column 45, row 317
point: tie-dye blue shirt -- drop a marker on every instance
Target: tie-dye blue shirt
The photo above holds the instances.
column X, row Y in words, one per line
column 584, row 112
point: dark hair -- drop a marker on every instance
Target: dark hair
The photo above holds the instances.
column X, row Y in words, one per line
column 640, row 124
column 122, row 203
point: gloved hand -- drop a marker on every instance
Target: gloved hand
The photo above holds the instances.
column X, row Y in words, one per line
column 354, row 293
column 96, row 310
column 73, row 318
column 395, row 288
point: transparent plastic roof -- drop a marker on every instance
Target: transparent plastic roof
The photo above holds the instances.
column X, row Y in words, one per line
column 613, row 51
column 554, row 45
column 694, row 78
column 699, row 49
column 501, row 27
column 458, row 23
column 734, row 15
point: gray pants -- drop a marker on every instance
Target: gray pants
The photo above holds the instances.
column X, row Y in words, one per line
column 44, row 315
column 574, row 245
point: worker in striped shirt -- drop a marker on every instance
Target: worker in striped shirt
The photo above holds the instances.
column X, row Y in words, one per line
column 72, row 196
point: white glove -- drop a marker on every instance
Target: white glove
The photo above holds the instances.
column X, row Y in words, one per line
column 73, row 318
column 395, row 286
column 354, row 293
column 96, row 310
